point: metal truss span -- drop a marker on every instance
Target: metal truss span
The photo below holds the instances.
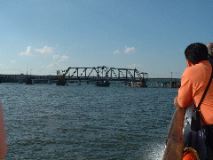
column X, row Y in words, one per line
column 102, row 72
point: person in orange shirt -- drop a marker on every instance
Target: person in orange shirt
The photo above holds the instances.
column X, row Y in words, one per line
column 194, row 81
column 3, row 144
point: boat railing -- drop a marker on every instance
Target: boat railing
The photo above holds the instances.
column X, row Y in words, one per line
column 175, row 141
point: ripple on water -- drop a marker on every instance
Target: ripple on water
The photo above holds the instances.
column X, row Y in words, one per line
column 86, row 122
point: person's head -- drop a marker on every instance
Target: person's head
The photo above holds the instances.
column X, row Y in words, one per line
column 210, row 48
column 196, row 52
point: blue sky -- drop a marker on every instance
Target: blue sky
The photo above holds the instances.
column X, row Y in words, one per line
column 42, row 36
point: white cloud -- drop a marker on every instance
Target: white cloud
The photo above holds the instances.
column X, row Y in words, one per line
column 125, row 50
column 27, row 52
column 58, row 61
column 45, row 50
column 129, row 50
column 60, row 58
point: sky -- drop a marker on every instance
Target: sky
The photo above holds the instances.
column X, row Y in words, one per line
column 43, row 36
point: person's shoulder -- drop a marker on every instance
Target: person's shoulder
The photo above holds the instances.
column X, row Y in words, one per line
column 199, row 71
column 189, row 70
column 200, row 66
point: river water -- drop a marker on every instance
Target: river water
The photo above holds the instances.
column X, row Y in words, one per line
column 85, row 122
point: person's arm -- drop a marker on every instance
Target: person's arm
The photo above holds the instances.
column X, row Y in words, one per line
column 184, row 97
column 176, row 102
column 3, row 144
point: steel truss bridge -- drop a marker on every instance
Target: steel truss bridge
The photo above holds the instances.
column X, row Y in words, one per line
column 102, row 72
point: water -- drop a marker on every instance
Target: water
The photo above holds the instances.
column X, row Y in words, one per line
column 85, row 122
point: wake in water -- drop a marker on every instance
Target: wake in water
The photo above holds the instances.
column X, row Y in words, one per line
column 157, row 152
column 152, row 152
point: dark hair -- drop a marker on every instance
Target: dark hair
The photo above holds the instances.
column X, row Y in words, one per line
column 196, row 52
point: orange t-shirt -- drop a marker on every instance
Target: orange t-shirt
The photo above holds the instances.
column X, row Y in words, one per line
column 193, row 84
